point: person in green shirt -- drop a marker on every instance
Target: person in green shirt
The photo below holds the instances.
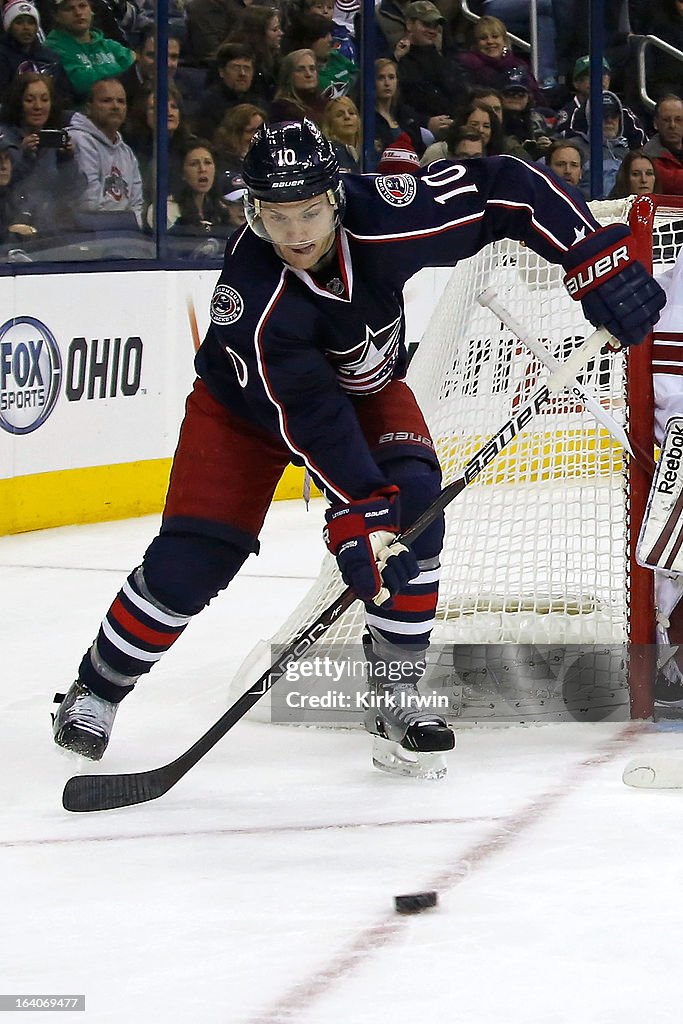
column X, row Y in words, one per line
column 336, row 73
column 86, row 53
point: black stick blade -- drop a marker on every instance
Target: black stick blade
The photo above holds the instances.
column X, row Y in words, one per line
column 105, row 792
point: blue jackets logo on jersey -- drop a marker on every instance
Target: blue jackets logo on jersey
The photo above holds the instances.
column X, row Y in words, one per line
column 226, row 305
column 369, row 366
column 397, row 189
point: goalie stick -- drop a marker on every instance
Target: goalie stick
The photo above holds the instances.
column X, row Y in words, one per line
column 105, row 792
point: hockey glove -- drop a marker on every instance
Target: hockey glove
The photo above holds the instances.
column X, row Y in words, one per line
column 615, row 290
column 362, row 537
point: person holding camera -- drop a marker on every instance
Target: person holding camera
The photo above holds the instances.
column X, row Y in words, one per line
column 46, row 179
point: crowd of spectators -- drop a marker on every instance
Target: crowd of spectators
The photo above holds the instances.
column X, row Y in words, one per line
column 77, row 103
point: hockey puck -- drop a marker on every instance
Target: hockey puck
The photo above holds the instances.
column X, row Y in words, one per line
column 414, row 902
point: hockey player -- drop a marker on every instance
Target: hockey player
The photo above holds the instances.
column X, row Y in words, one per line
column 304, row 362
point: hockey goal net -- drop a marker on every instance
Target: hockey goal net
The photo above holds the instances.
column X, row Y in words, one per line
column 540, row 601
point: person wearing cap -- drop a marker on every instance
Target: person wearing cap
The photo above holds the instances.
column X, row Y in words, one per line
column 399, row 157
column 87, row 55
column 433, row 82
column 572, row 37
column 491, row 55
column 521, row 119
column 614, row 145
column 21, row 50
column 571, row 118
column 234, row 190
column 665, row 148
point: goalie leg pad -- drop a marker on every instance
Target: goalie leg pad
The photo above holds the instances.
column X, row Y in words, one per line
column 660, row 543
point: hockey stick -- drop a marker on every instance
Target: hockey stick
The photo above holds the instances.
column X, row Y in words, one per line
column 104, row 792
column 489, row 299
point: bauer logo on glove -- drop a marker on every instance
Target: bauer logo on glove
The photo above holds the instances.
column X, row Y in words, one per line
column 614, row 289
column 363, row 537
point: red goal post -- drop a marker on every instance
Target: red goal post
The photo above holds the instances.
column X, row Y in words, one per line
column 658, row 237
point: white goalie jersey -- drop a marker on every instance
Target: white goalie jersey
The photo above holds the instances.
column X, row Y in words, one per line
column 667, row 371
column 667, row 353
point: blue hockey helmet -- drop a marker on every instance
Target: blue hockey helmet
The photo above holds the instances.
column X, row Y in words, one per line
column 289, row 161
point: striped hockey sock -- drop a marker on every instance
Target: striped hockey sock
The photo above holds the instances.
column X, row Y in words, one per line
column 133, row 636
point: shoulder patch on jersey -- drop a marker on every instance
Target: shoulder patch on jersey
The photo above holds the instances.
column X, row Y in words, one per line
column 396, row 189
column 226, row 305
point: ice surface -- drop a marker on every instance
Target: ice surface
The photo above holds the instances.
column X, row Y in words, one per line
column 261, row 888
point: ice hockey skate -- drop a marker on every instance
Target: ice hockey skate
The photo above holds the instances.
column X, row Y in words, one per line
column 83, row 721
column 408, row 739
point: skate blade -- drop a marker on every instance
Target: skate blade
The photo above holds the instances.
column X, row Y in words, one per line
column 654, row 771
column 394, row 759
column 78, row 741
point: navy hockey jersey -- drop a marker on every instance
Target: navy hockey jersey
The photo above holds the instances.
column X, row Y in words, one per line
column 293, row 352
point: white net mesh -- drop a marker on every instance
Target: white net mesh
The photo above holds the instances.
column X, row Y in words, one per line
column 535, row 549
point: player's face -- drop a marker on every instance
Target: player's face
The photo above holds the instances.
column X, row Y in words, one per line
column 567, row 165
column 301, row 232
column 641, row 176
